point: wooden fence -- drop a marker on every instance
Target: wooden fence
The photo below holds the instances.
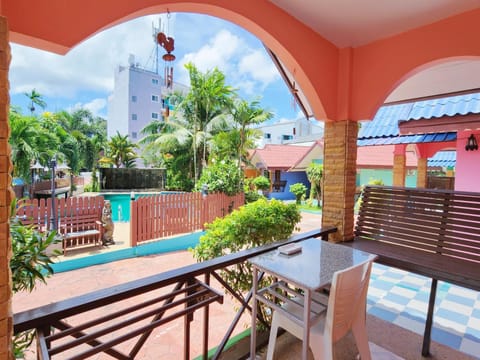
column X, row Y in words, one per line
column 158, row 216
column 151, row 217
column 39, row 211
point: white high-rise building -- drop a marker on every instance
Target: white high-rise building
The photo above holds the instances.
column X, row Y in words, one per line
column 296, row 131
column 138, row 98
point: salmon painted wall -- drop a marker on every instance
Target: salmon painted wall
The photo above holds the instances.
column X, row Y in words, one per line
column 381, row 66
column 467, row 170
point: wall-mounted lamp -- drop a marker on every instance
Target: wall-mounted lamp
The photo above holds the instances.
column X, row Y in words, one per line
column 471, row 143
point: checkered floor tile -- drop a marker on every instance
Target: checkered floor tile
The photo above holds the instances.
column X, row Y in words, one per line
column 402, row 298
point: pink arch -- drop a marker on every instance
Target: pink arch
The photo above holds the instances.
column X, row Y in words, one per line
column 313, row 59
column 340, row 84
column 383, row 65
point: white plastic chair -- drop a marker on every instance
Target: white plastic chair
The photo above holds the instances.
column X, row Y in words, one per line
column 346, row 311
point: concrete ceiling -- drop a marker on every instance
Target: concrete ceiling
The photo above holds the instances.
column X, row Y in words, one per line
column 352, row 23
column 357, row 22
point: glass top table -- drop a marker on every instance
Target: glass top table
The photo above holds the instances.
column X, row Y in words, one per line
column 310, row 269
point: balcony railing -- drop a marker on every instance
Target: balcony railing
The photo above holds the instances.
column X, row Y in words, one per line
column 131, row 311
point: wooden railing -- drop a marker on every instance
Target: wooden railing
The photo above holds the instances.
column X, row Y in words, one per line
column 39, row 211
column 159, row 216
column 130, row 312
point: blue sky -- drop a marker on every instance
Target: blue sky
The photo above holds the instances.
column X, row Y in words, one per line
column 84, row 77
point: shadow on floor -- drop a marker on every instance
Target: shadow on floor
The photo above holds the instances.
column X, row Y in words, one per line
column 387, row 342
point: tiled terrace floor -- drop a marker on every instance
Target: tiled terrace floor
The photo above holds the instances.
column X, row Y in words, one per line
column 402, row 298
column 394, row 296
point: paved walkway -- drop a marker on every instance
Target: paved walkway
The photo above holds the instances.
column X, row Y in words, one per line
column 390, row 298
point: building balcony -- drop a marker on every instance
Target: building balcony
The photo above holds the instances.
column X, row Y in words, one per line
column 182, row 313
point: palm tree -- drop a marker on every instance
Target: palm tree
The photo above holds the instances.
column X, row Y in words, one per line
column 208, row 98
column 175, row 135
column 195, row 118
column 121, row 150
column 89, row 131
column 29, row 140
column 71, row 150
column 24, row 131
column 315, row 175
column 245, row 115
column 35, row 99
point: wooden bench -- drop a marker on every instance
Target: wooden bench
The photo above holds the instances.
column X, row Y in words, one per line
column 82, row 229
column 435, row 233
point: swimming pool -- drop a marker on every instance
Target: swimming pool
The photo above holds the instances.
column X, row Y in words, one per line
column 121, row 203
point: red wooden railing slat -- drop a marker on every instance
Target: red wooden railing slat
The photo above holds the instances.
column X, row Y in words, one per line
column 159, row 216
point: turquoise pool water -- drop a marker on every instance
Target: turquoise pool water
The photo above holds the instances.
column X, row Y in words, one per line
column 121, row 204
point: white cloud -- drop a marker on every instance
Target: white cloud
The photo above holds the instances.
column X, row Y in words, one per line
column 248, row 86
column 87, row 71
column 218, row 52
column 246, row 68
column 87, row 67
column 259, row 66
column 299, row 115
column 95, row 106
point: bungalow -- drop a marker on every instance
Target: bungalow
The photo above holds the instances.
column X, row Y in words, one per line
column 285, row 165
column 452, row 121
column 375, row 163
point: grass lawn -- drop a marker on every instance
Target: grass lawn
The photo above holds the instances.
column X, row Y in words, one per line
column 305, row 207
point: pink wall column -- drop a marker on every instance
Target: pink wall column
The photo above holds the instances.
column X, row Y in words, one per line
column 467, row 170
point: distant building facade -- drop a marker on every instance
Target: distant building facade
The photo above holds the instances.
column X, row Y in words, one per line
column 138, row 98
column 291, row 132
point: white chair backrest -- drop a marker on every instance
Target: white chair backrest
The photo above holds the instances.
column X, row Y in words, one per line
column 347, row 301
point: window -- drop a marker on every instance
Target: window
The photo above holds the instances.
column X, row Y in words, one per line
column 155, row 98
column 278, row 174
column 134, row 98
column 267, row 136
column 154, row 81
column 134, row 135
column 154, row 115
column 134, row 116
column 287, row 137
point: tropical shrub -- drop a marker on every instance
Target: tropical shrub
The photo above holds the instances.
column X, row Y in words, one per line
column 315, row 174
column 250, row 190
column 252, row 196
column 372, row 181
column 222, row 176
column 299, row 190
column 376, row 182
column 261, row 183
column 251, row 225
column 29, row 263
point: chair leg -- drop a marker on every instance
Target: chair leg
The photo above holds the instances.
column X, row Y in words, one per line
column 359, row 331
column 273, row 337
column 322, row 347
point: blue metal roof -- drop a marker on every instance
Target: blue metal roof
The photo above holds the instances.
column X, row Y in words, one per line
column 443, row 159
column 385, row 122
column 383, row 129
column 408, row 139
column 449, row 106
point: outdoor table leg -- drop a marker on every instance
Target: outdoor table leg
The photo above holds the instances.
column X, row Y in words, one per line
column 253, row 334
column 428, row 324
column 306, row 323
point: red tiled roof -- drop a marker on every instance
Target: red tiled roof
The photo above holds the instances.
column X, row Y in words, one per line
column 381, row 157
column 315, row 151
column 279, row 156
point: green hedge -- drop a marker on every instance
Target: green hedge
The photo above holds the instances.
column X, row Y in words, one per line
column 254, row 224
